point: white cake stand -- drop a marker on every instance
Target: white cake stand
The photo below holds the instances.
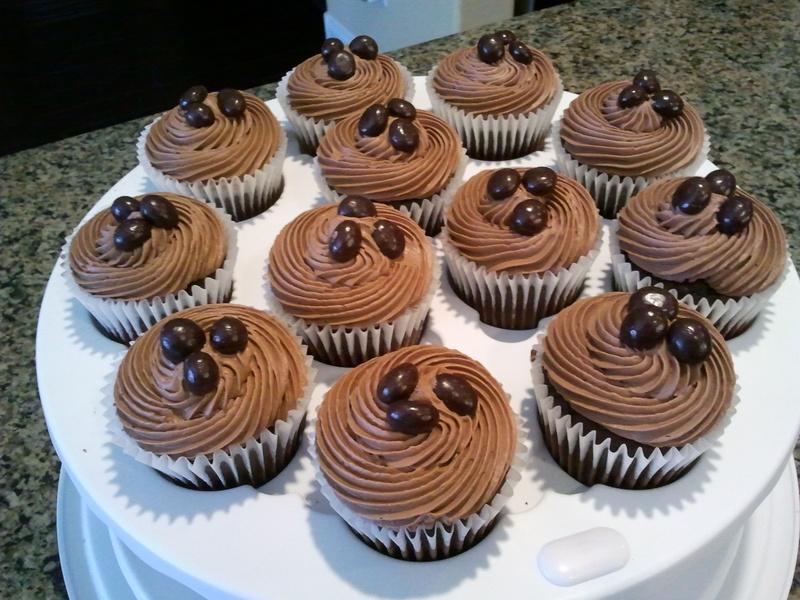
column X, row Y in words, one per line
column 282, row 541
column 758, row 562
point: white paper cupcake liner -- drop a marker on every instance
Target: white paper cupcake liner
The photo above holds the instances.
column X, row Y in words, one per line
column 427, row 212
column 731, row 318
column 309, row 130
column 345, row 346
column 490, row 137
column 125, row 320
column 442, row 539
column 516, row 301
column 611, row 192
column 253, row 462
column 241, row 197
column 591, row 461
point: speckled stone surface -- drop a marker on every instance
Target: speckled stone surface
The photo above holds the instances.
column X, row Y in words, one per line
column 735, row 61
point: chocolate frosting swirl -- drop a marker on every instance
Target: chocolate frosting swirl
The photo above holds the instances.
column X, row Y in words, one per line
column 167, row 263
column 229, row 147
column 370, row 167
column 402, row 480
column 257, row 387
column 477, row 227
column 685, row 248
column 313, row 93
column 506, row 87
column 630, row 142
column 364, row 291
column 645, row 396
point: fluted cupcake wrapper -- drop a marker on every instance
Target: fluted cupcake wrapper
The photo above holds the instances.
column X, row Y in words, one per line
column 253, row 462
column 125, row 320
column 444, row 538
column 488, row 137
column 427, row 212
column 310, row 130
column 591, row 461
column 516, row 301
column 345, row 346
column 241, row 197
column 731, row 318
column 611, row 192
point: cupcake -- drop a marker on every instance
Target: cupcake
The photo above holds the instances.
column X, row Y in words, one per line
column 711, row 244
column 500, row 95
column 418, row 451
column 619, row 137
column 339, row 83
column 356, row 280
column 518, row 244
column 225, row 148
column 631, row 389
column 214, row 397
column 396, row 155
column 147, row 257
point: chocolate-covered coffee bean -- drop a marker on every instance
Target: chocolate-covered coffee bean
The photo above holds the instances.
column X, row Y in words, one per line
column 341, row 65
column 529, row 217
column 158, row 211
column 412, row 416
column 345, row 241
column 520, row 52
column 356, row 207
column 199, row 115
column 389, row 238
column 490, row 48
column 365, row 47
column 401, row 108
column 398, row 383
column 329, row 46
column 691, row 196
column 631, row 96
column 122, row 208
column 403, row 135
column 654, row 298
column 721, row 181
column 667, row 103
column 228, row 335
column 688, row 341
column 506, row 35
column 373, row 121
column 734, row 214
column 642, row 328
column 200, row 373
column 181, row 337
column 502, row 183
column 456, row 393
column 131, row 234
column 231, row 103
column 196, row 93
column 539, row 180
column 647, row 80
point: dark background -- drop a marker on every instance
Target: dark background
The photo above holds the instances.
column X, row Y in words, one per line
column 70, row 66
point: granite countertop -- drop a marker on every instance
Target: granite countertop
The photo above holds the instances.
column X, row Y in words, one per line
column 735, row 61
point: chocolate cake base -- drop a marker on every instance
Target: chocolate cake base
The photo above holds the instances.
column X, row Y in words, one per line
column 358, row 355
column 257, row 205
column 509, row 315
column 259, row 477
column 491, row 149
column 584, row 469
column 438, row 550
column 127, row 339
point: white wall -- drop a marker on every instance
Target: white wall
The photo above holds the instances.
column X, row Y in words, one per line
column 399, row 23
